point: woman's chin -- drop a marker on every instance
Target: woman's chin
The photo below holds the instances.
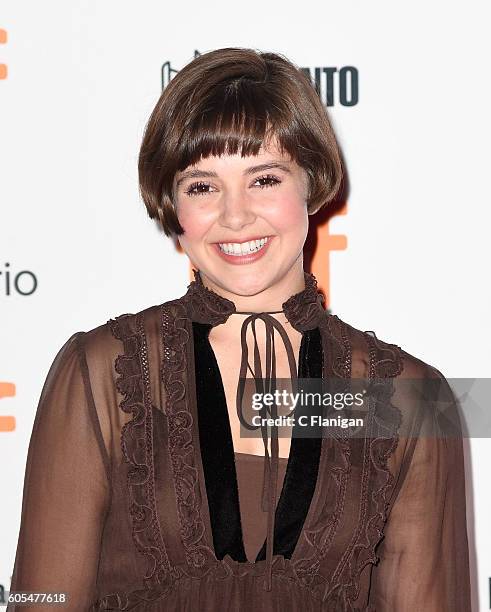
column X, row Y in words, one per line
column 245, row 284
column 240, row 282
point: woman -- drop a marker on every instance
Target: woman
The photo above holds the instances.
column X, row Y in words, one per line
column 143, row 492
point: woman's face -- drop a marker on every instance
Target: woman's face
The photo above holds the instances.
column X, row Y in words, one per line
column 224, row 203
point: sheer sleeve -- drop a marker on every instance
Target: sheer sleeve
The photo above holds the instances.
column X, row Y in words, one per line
column 66, row 488
column 423, row 559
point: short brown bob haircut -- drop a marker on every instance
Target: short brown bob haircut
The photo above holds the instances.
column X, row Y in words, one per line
column 234, row 98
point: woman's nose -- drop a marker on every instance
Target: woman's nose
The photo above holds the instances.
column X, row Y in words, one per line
column 236, row 210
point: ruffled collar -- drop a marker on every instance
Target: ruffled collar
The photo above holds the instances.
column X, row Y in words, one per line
column 303, row 310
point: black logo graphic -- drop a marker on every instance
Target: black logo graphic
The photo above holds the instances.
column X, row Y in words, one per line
column 334, row 85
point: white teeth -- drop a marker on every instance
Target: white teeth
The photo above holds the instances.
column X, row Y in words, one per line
column 242, row 248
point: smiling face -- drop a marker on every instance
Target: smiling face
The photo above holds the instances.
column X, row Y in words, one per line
column 224, row 201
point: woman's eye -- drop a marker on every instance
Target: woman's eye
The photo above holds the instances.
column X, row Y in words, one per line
column 271, row 181
column 196, row 189
column 201, row 188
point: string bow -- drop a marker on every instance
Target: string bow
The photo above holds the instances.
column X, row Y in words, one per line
column 265, row 385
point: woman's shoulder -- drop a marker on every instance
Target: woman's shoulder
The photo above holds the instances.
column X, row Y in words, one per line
column 108, row 339
column 368, row 350
column 420, row 392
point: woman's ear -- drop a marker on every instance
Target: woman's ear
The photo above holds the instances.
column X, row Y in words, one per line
column 308, row 185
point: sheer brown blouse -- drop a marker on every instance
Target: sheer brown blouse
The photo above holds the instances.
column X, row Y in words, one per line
column 133, row 501
column 253, row 518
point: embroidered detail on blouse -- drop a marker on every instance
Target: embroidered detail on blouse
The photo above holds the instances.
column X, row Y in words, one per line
column 337, row 466
column 174, row 368
column 385, row 359
column 340, row 590
column 385, row 362
column 133, row 384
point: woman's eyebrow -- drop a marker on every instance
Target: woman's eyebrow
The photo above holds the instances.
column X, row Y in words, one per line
column 267, row 166
column 196, row 173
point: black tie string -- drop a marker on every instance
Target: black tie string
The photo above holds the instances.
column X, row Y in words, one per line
column 266, row 385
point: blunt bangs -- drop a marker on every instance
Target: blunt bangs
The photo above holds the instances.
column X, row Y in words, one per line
column 225, row 126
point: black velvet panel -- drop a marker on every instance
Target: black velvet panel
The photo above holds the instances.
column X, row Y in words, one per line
column 217, row 450
column 217, row 453
column 303, row 463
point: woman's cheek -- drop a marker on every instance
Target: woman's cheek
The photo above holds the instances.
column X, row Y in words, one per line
column 194, row 224
column 291, row 215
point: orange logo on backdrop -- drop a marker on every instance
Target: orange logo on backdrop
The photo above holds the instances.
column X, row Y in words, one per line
column 320, row 258
column 3, row 67
column 7, row 389
column 7, row 423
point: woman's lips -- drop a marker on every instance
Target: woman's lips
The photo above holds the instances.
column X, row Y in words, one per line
column 244, row 259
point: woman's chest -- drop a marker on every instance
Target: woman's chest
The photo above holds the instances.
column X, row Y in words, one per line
column 227, row 352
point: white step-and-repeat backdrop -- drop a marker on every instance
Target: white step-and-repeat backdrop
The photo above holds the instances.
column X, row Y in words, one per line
column 408, row 89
